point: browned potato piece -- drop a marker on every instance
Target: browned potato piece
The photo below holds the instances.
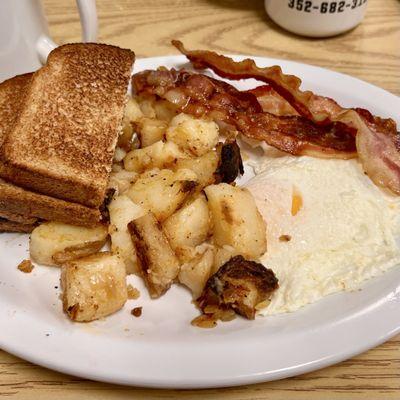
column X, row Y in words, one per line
column 78, row 251
column 194, row 135
column 230, row 162
column 195, row 273
column 222, row 255
column 150, row 130
column 236, row 220
column 131, row 115
column 162, row 191
column 93, row 287
column 132, row 111
column 188, row 227
column 158, row 155
column 52, row 242
column 204, row 167
column 240, row 285
column 164, row 110
column 157, row 262
column 122, row 211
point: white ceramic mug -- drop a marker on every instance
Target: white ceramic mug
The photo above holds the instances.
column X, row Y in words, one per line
column 24, row 35
column 316, row 18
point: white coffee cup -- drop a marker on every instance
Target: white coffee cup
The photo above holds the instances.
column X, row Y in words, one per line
column 24, row 37
column 316, row 18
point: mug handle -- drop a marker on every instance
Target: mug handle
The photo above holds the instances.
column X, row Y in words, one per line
column 88, row 17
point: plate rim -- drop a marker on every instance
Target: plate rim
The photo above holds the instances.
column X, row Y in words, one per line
column 234, row 381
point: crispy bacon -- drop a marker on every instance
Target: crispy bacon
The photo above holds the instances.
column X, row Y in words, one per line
column 299, row 136
column 195, row 93
column 286, row 86
column 377, row 139
column 271, row 101
column 201, row 95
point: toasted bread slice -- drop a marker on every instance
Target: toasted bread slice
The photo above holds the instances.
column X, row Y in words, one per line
column 12, row 94
column 63, row 141
column 16, row 200
column 14, row 217
column 24, row 206
column 12, row 226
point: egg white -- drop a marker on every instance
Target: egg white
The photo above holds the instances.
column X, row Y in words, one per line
column 344, row 232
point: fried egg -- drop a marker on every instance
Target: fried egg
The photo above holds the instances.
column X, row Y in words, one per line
column 329, row 228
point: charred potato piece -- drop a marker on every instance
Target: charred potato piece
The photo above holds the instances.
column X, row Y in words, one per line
column 93, row 287
column 194, row 136
column 163, row 191
column 204, row 167
column 236, row 220
column 240, row 285
column 195, row 273
column 157, row 261
column 122, row 211
column 230, row 162
column 188, row 227
column 52, row 243
column 78, row 251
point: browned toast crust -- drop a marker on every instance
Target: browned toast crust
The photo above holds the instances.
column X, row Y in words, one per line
column 17, row 217
column 11, row 226
column 16, row 200
column 12, row 94
column 20, row 205
column 63, row 141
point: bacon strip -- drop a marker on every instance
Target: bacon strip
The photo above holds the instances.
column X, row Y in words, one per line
column 377, row 139
column 271, row 101
column 287, row 86
column 299, row 136
column 378, row 146
column 201, row 95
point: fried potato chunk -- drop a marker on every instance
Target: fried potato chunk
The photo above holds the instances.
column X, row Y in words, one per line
column 132, row 114
column 164, row 110
column 122, row 211
column 163, row 191
column 157, row 261
column 240, row 285
column 223, row 255
column 236, row 220
column 195, row 273
column 158, row 155
column 93, row 287
column 195, row 136
column 146, row 104
column 230, row 162
column 53, row 243
column 122, row 180
column 150, row 130
column 188, row 227
column 204, row 167
column 132, row 111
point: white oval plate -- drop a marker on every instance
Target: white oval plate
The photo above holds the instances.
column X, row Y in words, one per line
column 162, row 349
